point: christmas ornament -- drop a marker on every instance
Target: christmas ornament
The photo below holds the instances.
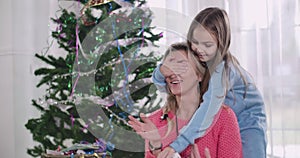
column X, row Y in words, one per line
column 92, row 3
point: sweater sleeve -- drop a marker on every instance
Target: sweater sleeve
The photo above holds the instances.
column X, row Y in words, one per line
column 204, row 116
column 229, row 142
column 161, row 125
column 159, row 79
column 148, row 153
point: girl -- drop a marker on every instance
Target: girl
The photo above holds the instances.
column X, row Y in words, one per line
column 222, row 138
column 209, row 40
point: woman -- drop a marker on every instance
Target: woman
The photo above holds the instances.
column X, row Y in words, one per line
column 184, row 97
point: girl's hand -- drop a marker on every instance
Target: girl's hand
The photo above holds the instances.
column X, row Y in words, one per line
column 172, row 66
column 146, row 129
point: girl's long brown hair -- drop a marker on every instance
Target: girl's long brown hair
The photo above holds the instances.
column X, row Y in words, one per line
column 216, row 22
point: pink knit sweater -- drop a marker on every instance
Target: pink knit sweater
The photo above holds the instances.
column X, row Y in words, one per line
column 222, row 139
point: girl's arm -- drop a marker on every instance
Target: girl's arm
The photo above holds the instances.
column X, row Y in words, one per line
column 159, row 79
column 204, row 116
column 250, row 111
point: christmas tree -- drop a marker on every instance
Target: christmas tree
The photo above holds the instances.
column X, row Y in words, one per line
column 103, row 77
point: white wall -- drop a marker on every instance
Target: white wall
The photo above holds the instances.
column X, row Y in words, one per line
column 6, row 70
column 24, row 32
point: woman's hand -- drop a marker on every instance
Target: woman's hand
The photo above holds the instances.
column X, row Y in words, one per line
column 195, row 152
column 168, row 152
column 146, row 129
column 206, row 153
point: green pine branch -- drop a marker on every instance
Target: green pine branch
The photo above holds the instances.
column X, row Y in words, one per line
column 60, row 118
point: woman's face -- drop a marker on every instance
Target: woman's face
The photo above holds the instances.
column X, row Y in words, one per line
column 203, row 44
column 183, row 83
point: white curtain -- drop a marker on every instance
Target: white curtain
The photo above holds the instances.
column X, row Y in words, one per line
column 266, row 40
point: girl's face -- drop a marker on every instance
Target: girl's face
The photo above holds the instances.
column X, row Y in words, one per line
column 182, row 84
column 203, row 44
